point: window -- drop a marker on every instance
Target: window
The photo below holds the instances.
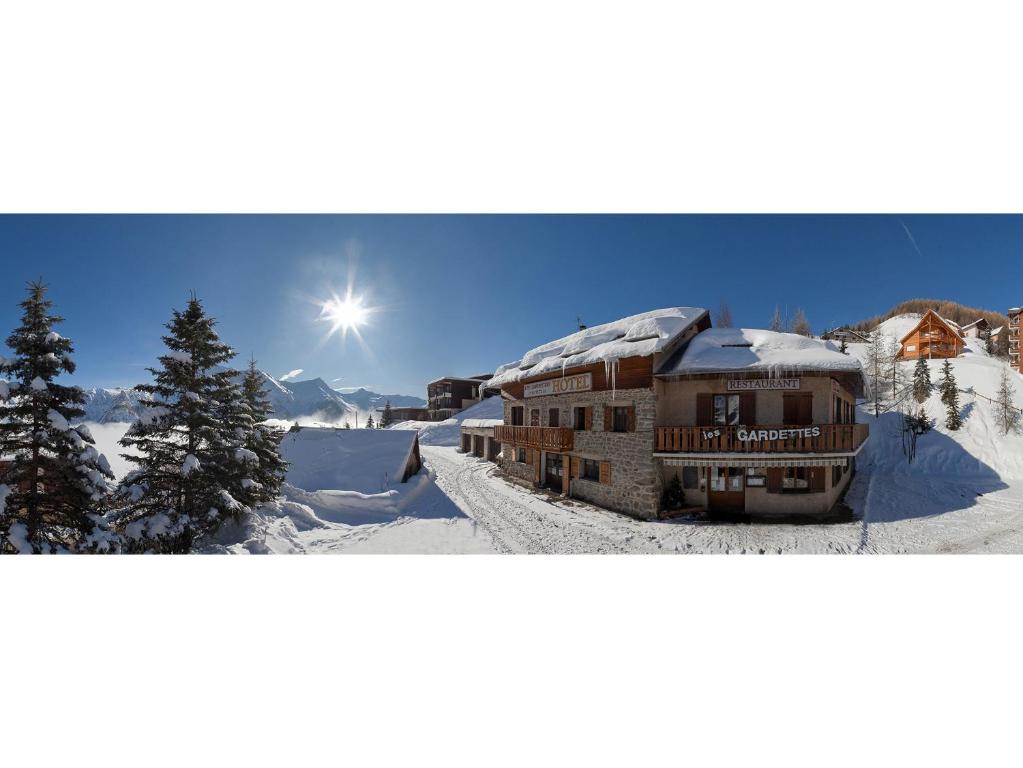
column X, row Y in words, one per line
column 796, row 480
column 911, row 347
column 690, row 477
column 520, row 455
column 620, row 419
column 591, row 470
column 554, row 417
column 726, row 410
column 836, row 476
column 580, row 418
column 517, row 418
column 726, row 479
column 534, row 417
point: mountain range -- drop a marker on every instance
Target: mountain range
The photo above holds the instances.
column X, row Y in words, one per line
column 289, row 399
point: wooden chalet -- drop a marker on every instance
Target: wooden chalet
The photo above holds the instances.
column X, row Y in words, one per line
column 932, row 338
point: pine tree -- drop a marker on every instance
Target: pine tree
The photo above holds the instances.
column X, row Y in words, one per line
column 56, row 483
column 874, row 367
column 989, row 344
column 184, row 444
column 949, row 389
column 1005, row 407
column 800, row 324
column 262, row 443
column 387, row 418
column 843, row 347
column 370, row 424
column 922, row 381
column 673, row 497
column 348, row 424
column 777, row 325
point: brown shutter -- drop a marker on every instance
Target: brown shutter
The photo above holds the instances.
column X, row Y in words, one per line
column 577, row 466
column 774, row 478
column 817, row 479
column 632, row 418
column 790, row 409
column 607, row 418
column 806, row 409
column 704, row 409
column 748, row 408
column 529, row 456
column 605, row 472
column 589, row 418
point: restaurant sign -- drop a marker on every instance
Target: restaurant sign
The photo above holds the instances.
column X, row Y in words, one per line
column 753, row 385
column 582, row 382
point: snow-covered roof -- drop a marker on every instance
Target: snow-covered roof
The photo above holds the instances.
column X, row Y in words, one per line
column 729, row 350
column 456, row 378
column 975, row 323
column 482, row 423
column 636, row 336
column 954, row 327
column 363, row 460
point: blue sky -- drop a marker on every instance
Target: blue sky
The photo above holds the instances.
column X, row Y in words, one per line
column 462, row 294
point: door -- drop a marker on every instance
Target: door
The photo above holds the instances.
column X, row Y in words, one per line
column 727, row 489
column 555, row 471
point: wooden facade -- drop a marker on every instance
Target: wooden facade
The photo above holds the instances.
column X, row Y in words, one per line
column 629, row 373
column 933, row 338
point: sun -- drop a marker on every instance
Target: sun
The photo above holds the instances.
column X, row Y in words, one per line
column 347, row 314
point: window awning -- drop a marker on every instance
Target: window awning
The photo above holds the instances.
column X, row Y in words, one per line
column 740, row 460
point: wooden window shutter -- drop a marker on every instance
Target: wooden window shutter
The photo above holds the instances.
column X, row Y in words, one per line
column 748, row 408
column 529, row 456
column 632, row 418
column 774, row 479
column 577, row 466
column 790, row 409
column 806, row 409
column 817, row 479
column 589, row 418
column 704, row 409
column 605, row 472
column 608, row 423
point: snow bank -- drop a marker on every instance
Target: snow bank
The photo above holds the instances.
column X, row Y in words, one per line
column 489, row 412
column 364, row 460
column 746, row 349
column 638, row 335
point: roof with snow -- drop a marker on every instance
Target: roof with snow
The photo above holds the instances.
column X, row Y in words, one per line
column 954, row 327
column 732, row 350
column 636, row 336
column 363, row 460
column 974, row 324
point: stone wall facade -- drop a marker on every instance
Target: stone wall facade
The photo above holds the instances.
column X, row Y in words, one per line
column 634, row 485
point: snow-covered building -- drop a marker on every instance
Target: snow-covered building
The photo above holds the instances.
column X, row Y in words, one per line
column 477, row 436
column 1014, row 352
column 978, row 329
column 580, row 411
column 759, row 422
column 748, row 420
column 934, row 337
column 449, row 395
column 362, row 460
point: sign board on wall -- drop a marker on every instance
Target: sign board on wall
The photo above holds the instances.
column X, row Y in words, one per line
column 754, row 385
column 582, row 382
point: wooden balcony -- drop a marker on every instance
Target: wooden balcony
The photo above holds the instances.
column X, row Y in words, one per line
column 784, row 438
column 552, row 439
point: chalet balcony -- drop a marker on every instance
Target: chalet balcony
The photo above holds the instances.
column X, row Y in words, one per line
column 552, row 439
column 783, row 438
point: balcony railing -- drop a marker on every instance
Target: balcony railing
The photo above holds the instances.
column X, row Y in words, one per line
column 784, row 438
column 554, row 439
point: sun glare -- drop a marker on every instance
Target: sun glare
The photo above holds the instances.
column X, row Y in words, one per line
column 344, row 315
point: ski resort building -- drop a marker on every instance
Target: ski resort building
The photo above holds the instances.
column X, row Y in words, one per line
column 750, row 421
column 477, row 436
column 978, row 329
column 1014, row 351
column 580, row 412
column 450, row 395
column 759, row 422
column 933, row 337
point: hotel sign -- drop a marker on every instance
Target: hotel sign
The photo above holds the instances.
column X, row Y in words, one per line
column 754, row 385
column 582, row 382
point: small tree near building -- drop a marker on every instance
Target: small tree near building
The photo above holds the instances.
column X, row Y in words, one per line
column 777, row 324
column 387, row 417
column 369, row 423
column 800, row 324
column 922, row 386
column 1005, row 402
column 673, row 497
column 950, row 397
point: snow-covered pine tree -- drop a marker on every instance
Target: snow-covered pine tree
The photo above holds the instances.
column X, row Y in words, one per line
column 950, row 397
column 922, row 380
column 181, row 490
column 843, row 347
column 777, row 325
column 266, row 473
column 800, row 324
column 387, row 417
column 989, row 344
column 1005, row 406
column 369, row 423
column 56, row 484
